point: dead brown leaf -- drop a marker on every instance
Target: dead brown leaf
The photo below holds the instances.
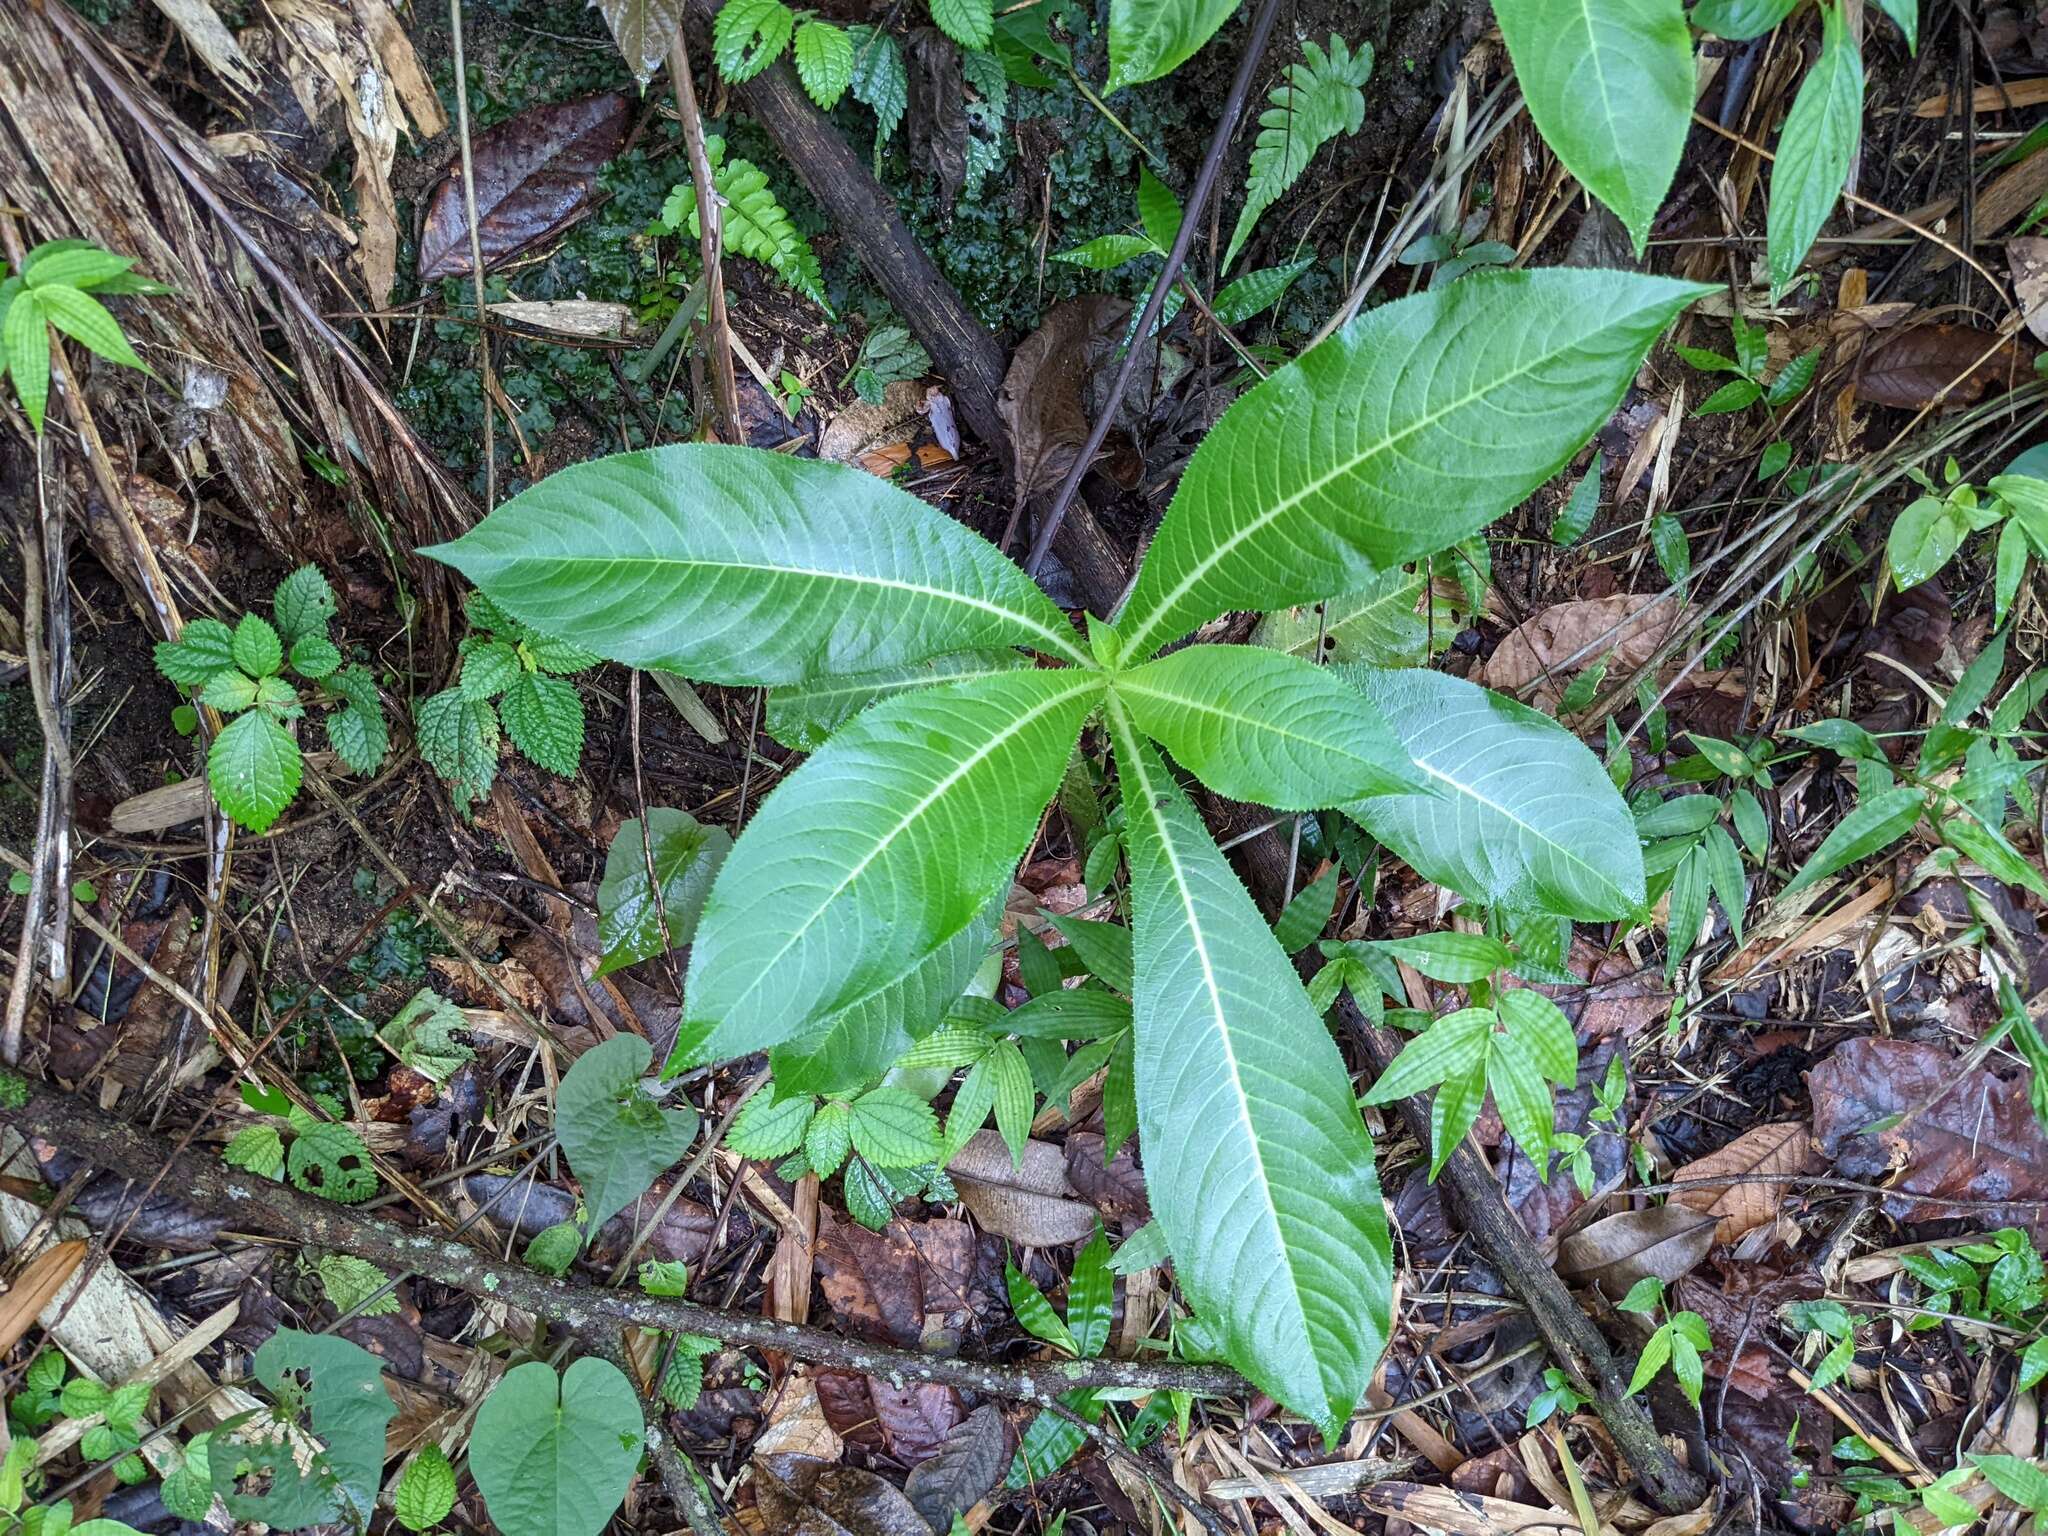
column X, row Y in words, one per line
column 1966, row 1139
column 1762, row 1158
column 1118, row 1190
column 534, row 175
column 907, row 1422
column 1617, row 1251
column 2027, row 259
column 1041, row 402
column 1627, row 629
column 804, row 1496
column 903, row 1284
column 1954, row 365
column 1032, row 1204
column 962, row 1470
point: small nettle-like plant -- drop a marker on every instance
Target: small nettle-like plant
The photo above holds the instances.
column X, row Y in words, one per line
column 514, row 675
column 246, row 672
column 945, row 694
column 1934, row 526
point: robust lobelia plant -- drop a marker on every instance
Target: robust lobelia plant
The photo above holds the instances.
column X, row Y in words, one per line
column 947, row 693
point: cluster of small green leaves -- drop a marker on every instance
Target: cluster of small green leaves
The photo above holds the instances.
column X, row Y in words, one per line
column 511, row 674
column 1678, row 1342
column 1512, row 1041
column 888, row 355
column 683, row 1354
column 754, row 224
column 253, row 765
column 1967, row 813
column 1932, row 528
column 1690, row 853
column 1458, row 251
column 1159, row 218
column 1049, row 1440
column 865, row 894
column 323, row 1157
column 17, row 1474
column 46, row 1396
column 1753, row 379
column 749, row 35
column 886, row 1138
column 54, row 288
column 1997, row 1279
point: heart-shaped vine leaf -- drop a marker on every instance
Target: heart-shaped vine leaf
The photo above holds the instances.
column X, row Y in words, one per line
column 554, row 1458
column 617, row 1137
column 349, row 1411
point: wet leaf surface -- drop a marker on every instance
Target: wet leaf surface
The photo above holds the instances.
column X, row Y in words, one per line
column 1969, row 1142
column 534, row 176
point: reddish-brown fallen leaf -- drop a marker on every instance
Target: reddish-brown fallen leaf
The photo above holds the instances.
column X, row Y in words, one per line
column 907, row 1422
column 1762, row 1158
column 1910, row 370
column 1117, row 1190
column 534, row 174
column 901, row 1284
column 1978, row 1141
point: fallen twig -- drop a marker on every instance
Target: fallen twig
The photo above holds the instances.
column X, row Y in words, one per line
column 210, row 1185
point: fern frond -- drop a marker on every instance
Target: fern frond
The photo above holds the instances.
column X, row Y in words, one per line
column 756, row 225
column 1323, row 97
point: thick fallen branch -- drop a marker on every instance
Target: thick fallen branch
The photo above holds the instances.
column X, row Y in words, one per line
column 961, row 347
column 249, row 1202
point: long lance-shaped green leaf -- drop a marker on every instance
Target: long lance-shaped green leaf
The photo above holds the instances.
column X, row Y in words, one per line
column 1524, row 817
column 1417, row 424
column 1257, row 725
column 1609, row 84
column 1815, row 150
column 1259, row 1168
column 732, row 565
column 876, row 854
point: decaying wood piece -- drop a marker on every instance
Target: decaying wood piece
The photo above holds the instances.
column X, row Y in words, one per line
column 89, row 151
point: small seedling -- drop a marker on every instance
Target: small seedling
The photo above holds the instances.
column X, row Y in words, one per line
column 513, row 674
column 324, row 1156
column 254, row 766
column 1753, row 380
column 1678, row 1342
column 888, row 356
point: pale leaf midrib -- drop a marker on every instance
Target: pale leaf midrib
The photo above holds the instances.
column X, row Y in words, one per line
column 1057, row 642
column 1128, row 739
column 1128, row 684
column 1227, row 546
column 765, row 968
